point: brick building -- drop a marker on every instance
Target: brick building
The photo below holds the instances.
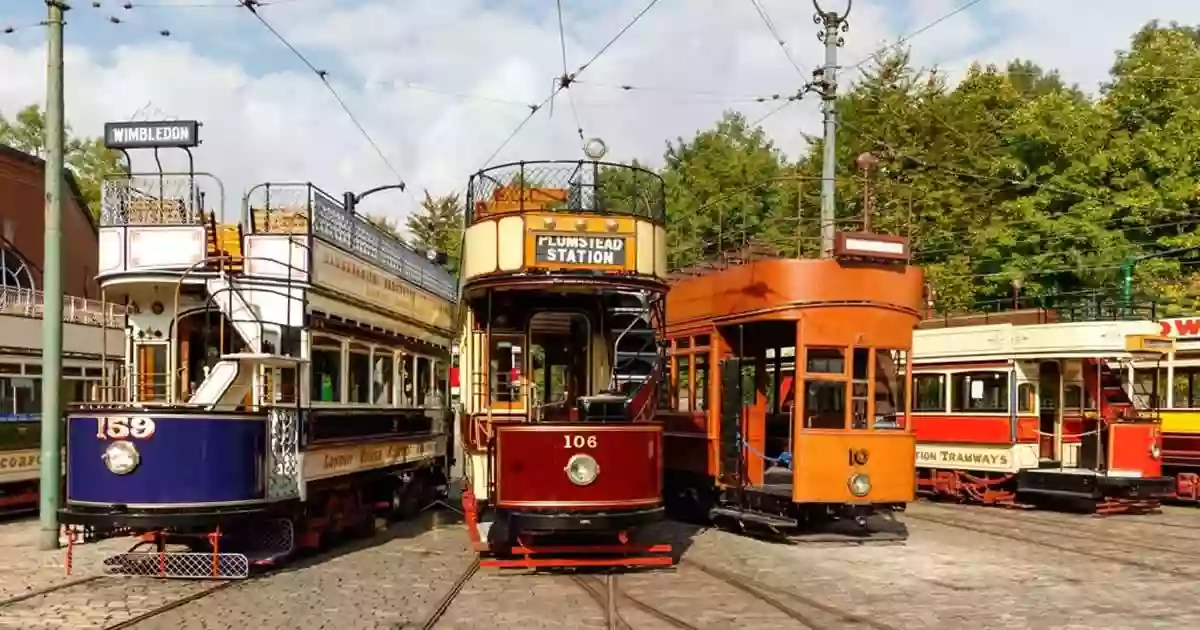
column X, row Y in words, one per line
column 22, row 225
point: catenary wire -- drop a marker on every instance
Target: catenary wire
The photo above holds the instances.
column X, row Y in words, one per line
column 323, row 76
column 766, row 20
column 564, row 83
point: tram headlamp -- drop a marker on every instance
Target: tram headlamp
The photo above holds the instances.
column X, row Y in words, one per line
column 121, row 458
column 1155, row 451
column 860, row 485
column 582, row 469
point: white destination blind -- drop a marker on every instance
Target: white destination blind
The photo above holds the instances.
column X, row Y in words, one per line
column 579, row 250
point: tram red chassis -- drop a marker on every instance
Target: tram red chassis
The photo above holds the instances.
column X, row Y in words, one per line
column 543, row 518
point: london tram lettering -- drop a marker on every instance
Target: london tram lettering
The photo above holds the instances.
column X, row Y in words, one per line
column 580, row 250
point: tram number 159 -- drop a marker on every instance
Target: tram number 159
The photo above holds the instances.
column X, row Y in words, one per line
column 579, row 441
column 123, row 428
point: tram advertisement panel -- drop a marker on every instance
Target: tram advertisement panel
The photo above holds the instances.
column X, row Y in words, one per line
column 580, row 250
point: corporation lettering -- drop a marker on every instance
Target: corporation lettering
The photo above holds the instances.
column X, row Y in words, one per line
column 20, row 462
column 339, row 461
column 580, row 250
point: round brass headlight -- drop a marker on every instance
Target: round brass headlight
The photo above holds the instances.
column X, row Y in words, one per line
column 582, row 469
column 860, row 485
column 121, row 458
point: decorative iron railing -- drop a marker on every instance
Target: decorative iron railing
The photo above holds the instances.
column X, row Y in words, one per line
column 76, row 310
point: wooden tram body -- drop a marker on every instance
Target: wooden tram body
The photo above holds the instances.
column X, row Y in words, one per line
column 1173, row 385
column 1034, row 413
column 788, row 390
column 285, row 380
column 562, row 293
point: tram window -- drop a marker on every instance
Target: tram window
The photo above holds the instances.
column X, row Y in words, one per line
column 27, row 393
column 504, row 370
column 1026, row 395
column 1150, row 388
column 889, row 387
column 682, row 377
column 1186, row 388
column 980, row 392
column 929, row 392
column 701, row 382
column 424, row 377
column 382, row 373
column 825, row 360
column 1072, row 394
column 326, row 371
column 860, row 365
column 152, row 371
column 359, row 373
column 441, row 382
column 683, row 343
column 406, row 380
column 7, row 405
column 701, row 341
column 824, row 405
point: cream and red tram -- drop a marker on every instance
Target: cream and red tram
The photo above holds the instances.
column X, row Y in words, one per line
column 562, row 295
column 1037, row 413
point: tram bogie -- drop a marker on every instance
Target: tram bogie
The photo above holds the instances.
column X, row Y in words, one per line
column 800, row 431
column 287, row 381
column 1039, row 414
column 560, row 362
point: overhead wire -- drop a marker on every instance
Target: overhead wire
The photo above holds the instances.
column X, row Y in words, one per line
column 909, row 37
column 766, row 20
column 565, row 82
column 252, row 7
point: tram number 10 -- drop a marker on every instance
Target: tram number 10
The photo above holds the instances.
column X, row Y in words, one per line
column 122, row 428
column 579, row 441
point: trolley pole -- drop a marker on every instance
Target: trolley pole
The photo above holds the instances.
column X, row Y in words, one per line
column 52, row 291
column 826, row 80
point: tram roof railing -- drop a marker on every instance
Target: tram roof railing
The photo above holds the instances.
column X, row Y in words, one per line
column 76, row 310
column 589, row 186
column 1078, row 306
column 303, row 208
column 159, row 199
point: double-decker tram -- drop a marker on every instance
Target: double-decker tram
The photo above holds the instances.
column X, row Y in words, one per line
column 562, row 296
column 287, row 379
column 1039, row 410
column 788, row 392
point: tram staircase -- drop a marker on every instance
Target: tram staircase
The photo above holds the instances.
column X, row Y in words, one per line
column 1103, row 380
column 635, row 361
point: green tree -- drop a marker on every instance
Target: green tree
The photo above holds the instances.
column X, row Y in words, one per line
column 438, row 225
column 723, row 187
column 89, row 160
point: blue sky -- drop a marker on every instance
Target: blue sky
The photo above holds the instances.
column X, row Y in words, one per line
column 395, row 63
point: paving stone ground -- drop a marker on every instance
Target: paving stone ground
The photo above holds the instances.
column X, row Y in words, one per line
column 24, row 568
column 963, row 567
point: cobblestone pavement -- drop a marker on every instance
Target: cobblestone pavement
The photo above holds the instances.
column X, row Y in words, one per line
column 963, row 567
column 25, row 569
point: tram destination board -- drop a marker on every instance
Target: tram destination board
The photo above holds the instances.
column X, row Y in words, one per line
column 151, row 134
column 556, row 249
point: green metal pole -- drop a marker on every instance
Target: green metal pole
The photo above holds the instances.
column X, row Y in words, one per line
column 52, row 291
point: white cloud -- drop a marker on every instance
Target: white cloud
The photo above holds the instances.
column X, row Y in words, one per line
column 284, row 125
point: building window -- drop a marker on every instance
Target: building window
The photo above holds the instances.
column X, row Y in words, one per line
column 15, row 272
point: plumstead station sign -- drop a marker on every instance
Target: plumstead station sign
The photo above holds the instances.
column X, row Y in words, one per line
column 152, row 135
column 579, row 250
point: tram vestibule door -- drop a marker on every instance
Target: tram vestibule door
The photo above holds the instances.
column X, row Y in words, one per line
column 1049, row 410
column 731, row 463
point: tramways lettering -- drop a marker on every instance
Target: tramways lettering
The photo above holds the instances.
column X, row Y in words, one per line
column 957, row 457
column 579, row 250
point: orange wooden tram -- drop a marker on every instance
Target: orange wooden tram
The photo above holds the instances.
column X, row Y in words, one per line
column 789, row 389
column 563, row 289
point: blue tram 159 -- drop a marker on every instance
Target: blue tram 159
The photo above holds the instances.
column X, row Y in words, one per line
column 285, row 380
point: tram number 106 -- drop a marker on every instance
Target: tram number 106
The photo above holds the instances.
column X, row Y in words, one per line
column 122, row 428
column 579, row 441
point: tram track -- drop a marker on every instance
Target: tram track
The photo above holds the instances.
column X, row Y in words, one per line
column 1051, row 526
column 1107, row 557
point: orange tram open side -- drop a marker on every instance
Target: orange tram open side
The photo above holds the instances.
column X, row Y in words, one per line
column 788, row 390
column 562, row 296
